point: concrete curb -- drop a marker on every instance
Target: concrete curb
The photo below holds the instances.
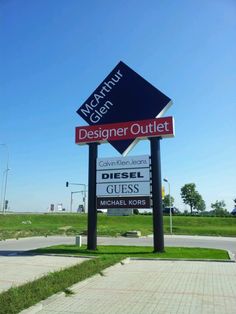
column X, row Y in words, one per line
column 231, row 256
column 231, row 259
column 64, row 255
column 183, row 260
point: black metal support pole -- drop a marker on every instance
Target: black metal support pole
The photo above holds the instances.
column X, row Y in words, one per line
column 158, row 235
column 92, row 206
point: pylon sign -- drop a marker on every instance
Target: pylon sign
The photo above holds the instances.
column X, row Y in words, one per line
column 123, row 96
column 122, row 109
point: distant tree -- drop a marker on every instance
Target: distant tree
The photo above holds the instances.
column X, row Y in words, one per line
column 135, row 211
column 234, row 210
column 188, row 193
column 192, row 198
column 167, row 201
column 219, row 208
column 200, row 203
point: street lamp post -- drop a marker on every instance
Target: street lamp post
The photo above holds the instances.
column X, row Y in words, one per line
column 5, row 190
column 166, row 180
column 5, row 176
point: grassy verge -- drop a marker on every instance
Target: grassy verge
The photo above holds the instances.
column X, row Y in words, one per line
column 138, row 251
column 22, row 225
column 16, row 299
column 26, row 225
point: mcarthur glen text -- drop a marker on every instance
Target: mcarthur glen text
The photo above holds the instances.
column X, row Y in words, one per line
column 96, row 114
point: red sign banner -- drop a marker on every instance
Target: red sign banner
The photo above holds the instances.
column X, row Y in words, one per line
column 159, row 127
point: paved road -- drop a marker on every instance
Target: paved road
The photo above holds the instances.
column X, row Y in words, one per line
column 13, row 246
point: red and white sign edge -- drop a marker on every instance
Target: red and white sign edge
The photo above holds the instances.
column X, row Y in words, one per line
column 142, row 129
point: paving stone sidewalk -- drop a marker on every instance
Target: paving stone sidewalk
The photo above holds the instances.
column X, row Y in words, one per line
column 19, row 269
column 151, row 286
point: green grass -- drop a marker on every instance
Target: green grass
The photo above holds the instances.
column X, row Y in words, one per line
column 16, row 299
column 137, row 251
column 209, row 226
column 12, row 226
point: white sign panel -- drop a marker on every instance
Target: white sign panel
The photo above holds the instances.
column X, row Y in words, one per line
column 123, row 162
column 123, row 189
column 127, row 175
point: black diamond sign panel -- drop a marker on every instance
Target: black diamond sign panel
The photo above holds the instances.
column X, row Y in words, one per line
column 123, row 96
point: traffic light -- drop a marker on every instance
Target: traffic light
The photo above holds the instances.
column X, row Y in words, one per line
column 163, row 192
column 6, row 204
column 67, row 184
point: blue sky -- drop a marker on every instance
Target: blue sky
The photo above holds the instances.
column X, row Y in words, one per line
column 54, row 53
